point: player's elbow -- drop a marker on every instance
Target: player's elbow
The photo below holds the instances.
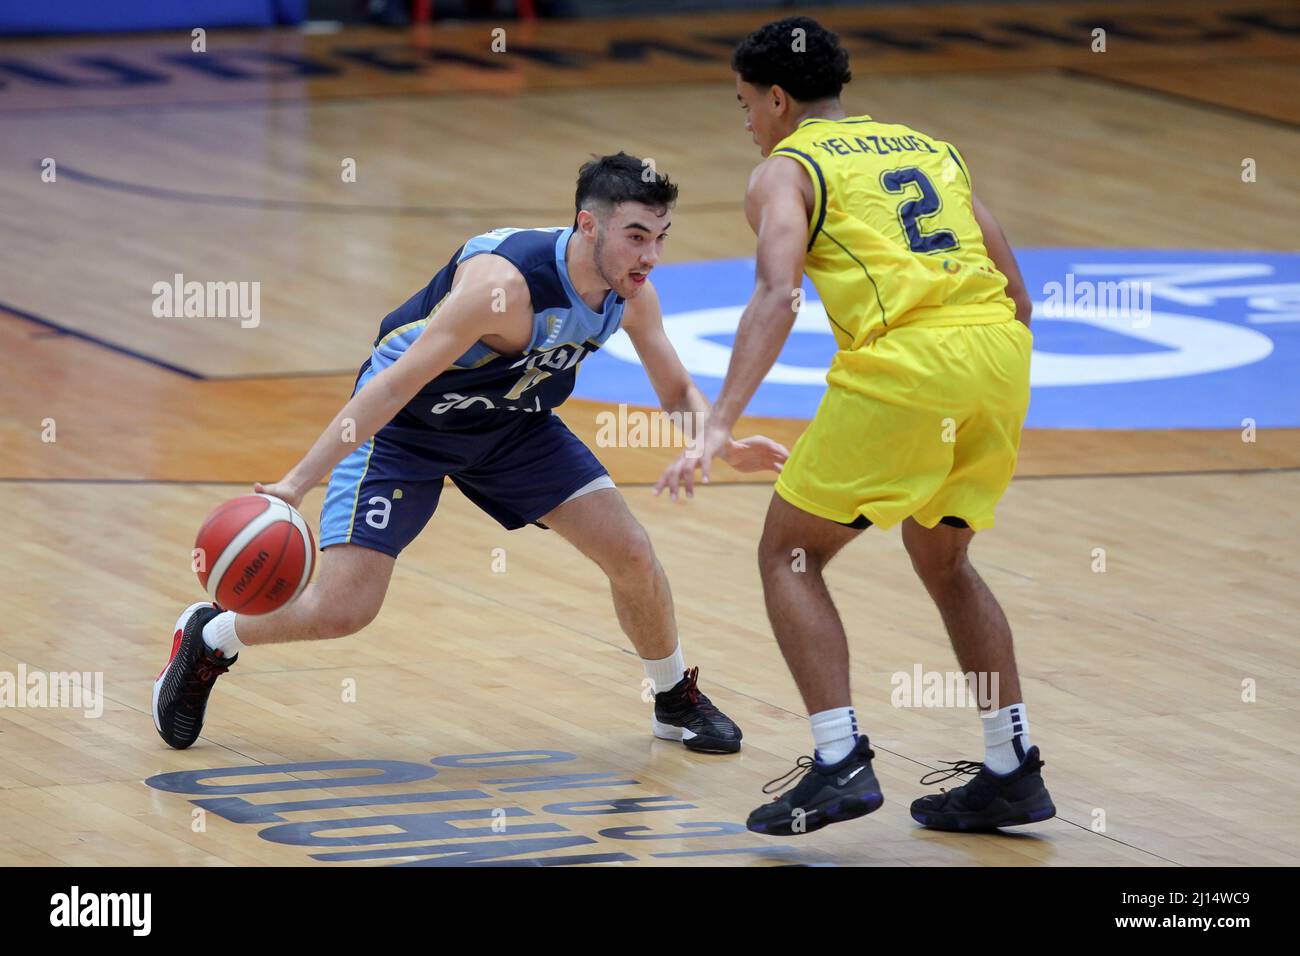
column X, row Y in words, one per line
column 777, row 298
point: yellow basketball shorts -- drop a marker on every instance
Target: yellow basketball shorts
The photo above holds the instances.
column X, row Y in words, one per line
column 924, row 422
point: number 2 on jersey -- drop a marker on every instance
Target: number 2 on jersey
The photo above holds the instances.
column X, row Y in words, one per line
column 911, row 210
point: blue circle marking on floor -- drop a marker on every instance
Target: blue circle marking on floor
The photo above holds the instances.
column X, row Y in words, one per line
column 1123, row 338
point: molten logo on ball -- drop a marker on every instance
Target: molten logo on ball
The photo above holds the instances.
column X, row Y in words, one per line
column 249, row 571
column 264, row 554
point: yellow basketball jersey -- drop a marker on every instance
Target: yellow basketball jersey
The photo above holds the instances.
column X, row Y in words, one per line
column 893, row 238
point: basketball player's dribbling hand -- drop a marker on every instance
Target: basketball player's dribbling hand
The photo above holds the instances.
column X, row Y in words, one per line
column 756, row 453
column 280, row 489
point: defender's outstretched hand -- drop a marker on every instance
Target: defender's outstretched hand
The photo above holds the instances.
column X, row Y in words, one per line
column 756, row 453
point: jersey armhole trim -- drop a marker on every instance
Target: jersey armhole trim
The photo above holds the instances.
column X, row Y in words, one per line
column 960, row 165
column 409, row 326
column 819, row 189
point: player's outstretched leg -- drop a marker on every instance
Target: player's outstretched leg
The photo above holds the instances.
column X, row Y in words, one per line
column 1008, row 787
column 345, row 597
column 600, row 525
column 837, row 782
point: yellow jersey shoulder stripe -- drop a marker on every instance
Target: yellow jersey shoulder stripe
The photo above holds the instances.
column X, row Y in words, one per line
column 952, row 151
column 819, row 188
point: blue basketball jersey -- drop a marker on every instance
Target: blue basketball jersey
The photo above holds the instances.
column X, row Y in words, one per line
column 482, row 387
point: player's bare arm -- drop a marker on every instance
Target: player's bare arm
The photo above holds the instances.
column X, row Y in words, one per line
column 465, row 316
column 777, row 205
column 995, row 241
column 643, row 321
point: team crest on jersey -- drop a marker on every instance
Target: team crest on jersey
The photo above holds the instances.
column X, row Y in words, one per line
column 558, row 359
column 533, row 370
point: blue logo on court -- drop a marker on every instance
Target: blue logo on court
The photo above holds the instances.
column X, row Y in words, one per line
column 1122, row 339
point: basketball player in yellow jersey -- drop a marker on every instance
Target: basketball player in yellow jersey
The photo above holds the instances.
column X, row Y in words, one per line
column 920, row 424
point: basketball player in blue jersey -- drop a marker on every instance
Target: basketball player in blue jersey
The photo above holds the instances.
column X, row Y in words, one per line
column 461, row 384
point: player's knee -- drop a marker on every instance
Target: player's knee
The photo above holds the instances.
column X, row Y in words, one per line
column 769, row 557
column 778, row 555
column 346, row 617
column 633, row 558
column 939, row 567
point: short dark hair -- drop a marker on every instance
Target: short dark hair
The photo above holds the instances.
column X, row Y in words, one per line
column 810, row 66
column 610, row 180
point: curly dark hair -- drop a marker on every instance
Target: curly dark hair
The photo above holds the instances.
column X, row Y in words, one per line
column 610, row 180
column 810, row 66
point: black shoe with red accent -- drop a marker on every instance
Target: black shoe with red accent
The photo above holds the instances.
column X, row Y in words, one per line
column 683, row 713
column 180, row 694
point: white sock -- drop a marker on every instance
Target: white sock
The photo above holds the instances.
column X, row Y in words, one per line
column 834, row 734
column 1006, row 738
column 219, row 634
column 667, row 672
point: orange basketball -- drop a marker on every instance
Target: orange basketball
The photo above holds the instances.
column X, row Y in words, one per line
column 254, row 554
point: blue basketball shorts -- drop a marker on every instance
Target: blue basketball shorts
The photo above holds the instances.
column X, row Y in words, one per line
column 383, row 494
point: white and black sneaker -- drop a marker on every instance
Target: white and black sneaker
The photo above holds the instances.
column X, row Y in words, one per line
column 180, row 694
column 683, row 713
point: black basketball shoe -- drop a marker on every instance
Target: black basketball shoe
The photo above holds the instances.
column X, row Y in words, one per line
column 180, row 694
column 827, row 794
column 683, row 713
column 989, row 801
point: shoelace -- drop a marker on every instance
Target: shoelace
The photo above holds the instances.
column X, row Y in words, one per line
column 790, row 778
column 692, row 689
column 205, row 672
column 956, row 768
column 699, row 701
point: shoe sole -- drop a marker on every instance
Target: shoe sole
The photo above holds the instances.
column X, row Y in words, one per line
column 157, row 685
column 974, row 823
column 693, row 741
column 837, row 811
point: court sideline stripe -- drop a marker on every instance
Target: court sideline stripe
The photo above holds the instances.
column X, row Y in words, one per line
column 161, row 363
column 927, row 69
column 1185, row 99
column 42, row 111
column 102, row 343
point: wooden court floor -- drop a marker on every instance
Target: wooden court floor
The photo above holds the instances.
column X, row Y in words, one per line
column 493, row 710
